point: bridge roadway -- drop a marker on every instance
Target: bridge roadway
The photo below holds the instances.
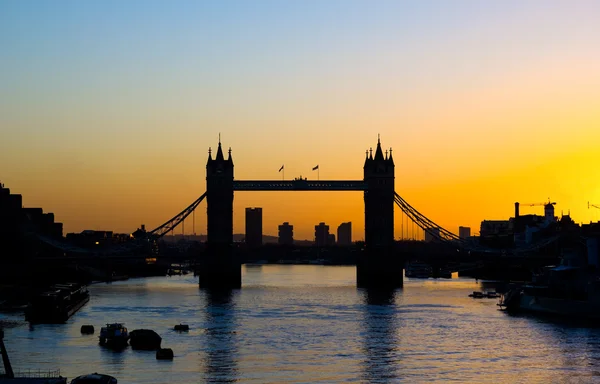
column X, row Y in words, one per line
column 299, row 185
column 409, row 249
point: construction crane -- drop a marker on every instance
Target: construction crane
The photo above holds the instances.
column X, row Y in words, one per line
column 592, row 205
column 532, row 205
column 538, row 204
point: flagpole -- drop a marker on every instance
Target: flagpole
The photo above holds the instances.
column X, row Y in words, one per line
column 318, row 174
column 283, row 174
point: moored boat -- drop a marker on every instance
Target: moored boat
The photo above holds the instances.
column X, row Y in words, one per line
column 57, row 304
column 94, row 378
column 418, row 270
column 571, row 289
column 114, row 335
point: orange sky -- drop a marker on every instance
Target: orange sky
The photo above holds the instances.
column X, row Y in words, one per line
column 485, row 106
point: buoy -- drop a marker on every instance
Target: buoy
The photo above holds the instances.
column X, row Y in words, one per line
column 87, row 329
column 145, row 339
column 164, row 354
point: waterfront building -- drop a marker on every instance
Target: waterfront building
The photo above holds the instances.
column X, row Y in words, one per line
column 464, row 232
column 286, row 234
column 344, row 234
column 321, row 235
column 496, row 227
column 15, row 220
column 254, row 227
column 331, row 239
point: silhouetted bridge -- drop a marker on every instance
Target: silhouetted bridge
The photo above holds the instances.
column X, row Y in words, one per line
column 381, row 261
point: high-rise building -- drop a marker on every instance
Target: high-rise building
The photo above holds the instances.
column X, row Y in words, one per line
column 321, row 235
column 432, row 234
column 464, row 232
column 254, row 227
column 344, row 234
column 286, row 234
column 331, row 239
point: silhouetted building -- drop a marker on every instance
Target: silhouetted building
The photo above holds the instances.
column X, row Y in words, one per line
column 331, row 239
column 286, row 234
column 496, row 227
column 42, row 223
column 10, row 224
column 254, row 227
column 432, row 234
column 549, row 213
column 344, row 234
column 140, row 233
column 90, row 238
column 464, row 232
column 321, row 235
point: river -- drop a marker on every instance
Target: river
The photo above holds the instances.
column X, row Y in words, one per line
column 306, row 324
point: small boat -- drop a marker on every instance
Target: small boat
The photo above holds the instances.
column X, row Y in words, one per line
column 182, row 327
column 418, row 270
column 114, row 335
column 484, row 295
column 94, row 378
column 477, row 295
column 87, row 329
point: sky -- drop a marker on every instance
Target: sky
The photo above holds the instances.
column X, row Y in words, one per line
column 108, row 108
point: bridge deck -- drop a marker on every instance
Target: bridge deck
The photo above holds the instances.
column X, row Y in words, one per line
column 299, row 185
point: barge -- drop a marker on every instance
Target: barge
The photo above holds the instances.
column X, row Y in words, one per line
column 57, row 304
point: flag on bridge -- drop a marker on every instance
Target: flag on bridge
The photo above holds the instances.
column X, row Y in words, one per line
column 315, row 168
column 281, row 169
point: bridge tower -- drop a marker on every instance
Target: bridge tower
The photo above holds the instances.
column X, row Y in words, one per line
column 377, row 267
column 219, row 268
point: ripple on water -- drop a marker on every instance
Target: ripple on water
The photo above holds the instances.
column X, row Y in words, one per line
column 310, row 324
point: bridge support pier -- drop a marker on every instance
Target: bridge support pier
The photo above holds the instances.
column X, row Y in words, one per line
column 379, row 269
column 220, row 268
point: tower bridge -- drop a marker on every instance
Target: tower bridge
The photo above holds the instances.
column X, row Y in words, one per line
column 379, row 266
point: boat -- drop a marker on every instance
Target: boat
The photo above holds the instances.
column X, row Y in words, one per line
column 31, row 377
column 182, row 327
column 571, row 289
column 484, row 295
column 418, row 270
column 114, row 335
column 94, row 378
column 477, row 295
column 57, row 304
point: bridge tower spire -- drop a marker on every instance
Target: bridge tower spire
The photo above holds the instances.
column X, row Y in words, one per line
column 219, row 268
column 378, row 267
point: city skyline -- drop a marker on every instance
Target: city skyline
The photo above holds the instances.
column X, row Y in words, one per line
column 111, row 114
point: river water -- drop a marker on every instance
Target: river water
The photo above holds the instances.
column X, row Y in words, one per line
column 306, row 324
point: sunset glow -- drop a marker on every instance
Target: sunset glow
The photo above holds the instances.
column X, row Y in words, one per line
column 107, row 116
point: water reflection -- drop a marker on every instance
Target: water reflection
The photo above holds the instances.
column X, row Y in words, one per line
column 379, row 336
column 220, row 348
